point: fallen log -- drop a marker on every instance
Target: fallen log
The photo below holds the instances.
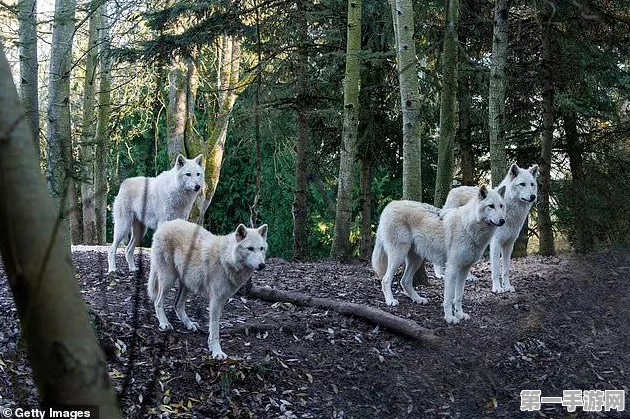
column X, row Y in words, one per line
column 373, row 315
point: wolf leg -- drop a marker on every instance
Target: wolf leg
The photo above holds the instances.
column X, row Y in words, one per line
column 412, row 264
column 180, row 308
column 438, row 271
column 214, row 345
column 137, row 233
column 460, row 284
column 495, row 254
column 449, row 294
column 122, row 227
column 394, row 258
column 507, row 257
column 164, row 285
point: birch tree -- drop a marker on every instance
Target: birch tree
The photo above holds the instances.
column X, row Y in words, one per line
column 496, row 94
column 68, row 364
column 448, row 104
column 60, row 170
column 27, row 16
column 341, row 247
column 403, row 22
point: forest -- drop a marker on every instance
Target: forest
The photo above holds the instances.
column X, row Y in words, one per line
column 312, row 116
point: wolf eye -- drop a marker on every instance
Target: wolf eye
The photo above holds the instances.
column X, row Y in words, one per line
column 532, row 184
column 250, row 248
column 188, row 174
column 491, row 206
column 501, row 206
column 262, row 248
column 198, row 174
column 521, row 184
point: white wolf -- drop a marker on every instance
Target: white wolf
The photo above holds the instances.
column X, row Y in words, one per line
column 144, row 202
column 412, row 232
column 521, row 190
column 215, row 266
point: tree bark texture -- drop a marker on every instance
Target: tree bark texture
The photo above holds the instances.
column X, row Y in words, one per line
column 27, row 16
column 545, row 226
column 341, row 246
column 60, row 166
column 496, row 94
column 583, row 235
column 68, row 364
column 466, row 154
column 448, row 106
column 87, row 144
column 302, row 147
column 402, row 16
column 367, row 177
column 102, row 132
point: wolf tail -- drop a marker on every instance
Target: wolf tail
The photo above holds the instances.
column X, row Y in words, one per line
column 152, row 285
column 379, row 258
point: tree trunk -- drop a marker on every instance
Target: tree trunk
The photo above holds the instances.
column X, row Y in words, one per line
column 373, row 315
column 60, row 170
column 341, row 247
column 496, row 94
column 402, row 16
column 229, row 53
column 466, row 155
column 180, row 113
column 68, row 365
column 366, row 208
column 583, row 240
column 102, row 132
column 545, row 227
column 300, row 200
column 448, row 106
column 87, row 145
column 27, row 15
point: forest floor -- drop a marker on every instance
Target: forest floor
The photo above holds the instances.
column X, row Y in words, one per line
column 567, row 327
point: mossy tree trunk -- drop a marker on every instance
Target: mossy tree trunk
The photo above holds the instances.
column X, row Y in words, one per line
column 341, row 247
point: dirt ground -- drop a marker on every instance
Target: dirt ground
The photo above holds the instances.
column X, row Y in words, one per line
column 566, row 327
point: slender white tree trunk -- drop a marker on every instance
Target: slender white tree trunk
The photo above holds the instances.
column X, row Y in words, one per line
column 27, row 15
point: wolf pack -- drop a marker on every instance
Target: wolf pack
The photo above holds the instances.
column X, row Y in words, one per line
column 452, row 238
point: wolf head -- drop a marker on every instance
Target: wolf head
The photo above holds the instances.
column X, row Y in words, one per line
column 190, row 172
column 490, row 205
column 251, row 245
column 521, row 183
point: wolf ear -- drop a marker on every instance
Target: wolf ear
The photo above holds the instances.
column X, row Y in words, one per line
column 241, row 232
column 262, row 230
column 534, row 170
column 199, row 159
column 514, row 170
column 483, row 192
column 501, row 191
column 180, row 161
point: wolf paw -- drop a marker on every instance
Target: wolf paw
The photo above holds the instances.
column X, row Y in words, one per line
column 461, row 315
column 450, row 319
column 192, row 326
column 497, row 289
column 166, row 326
column 420, row 300
column 472, row 279
column 219, row 355
column 509, row 288
column 392, row 303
